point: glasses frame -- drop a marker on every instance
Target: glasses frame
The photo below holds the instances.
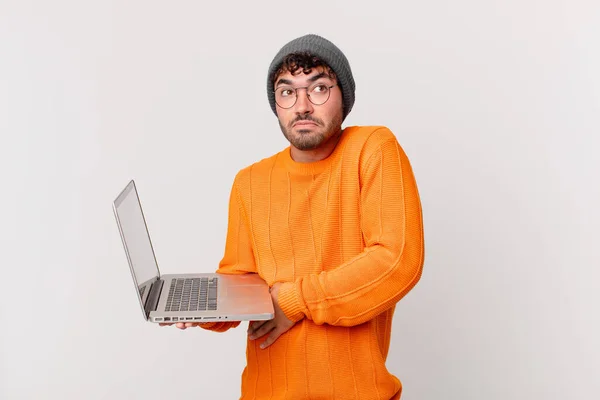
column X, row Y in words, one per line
column 307, row 95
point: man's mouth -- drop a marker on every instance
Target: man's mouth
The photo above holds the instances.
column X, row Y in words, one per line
column 305, row 123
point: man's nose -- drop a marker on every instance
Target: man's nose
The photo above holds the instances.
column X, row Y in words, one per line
column 303, row 104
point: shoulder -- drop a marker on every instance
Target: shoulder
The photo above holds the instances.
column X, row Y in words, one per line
column 366, row 140
column 374, row 133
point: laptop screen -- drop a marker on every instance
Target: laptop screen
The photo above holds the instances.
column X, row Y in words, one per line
column 136, row 239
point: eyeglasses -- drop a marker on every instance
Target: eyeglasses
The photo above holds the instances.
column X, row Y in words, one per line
column 318, row 93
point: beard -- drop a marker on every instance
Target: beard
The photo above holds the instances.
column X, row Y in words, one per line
column 311, row 139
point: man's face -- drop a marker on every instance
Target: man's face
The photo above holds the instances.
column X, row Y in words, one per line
column 305, row 125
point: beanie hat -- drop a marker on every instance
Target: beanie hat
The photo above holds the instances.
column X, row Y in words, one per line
column 326, row 51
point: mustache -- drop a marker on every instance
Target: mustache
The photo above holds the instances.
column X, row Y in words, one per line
column 305, row 118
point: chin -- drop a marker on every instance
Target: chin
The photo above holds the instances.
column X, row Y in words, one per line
column 304, row 131
column 308, row 143
column 306, row 147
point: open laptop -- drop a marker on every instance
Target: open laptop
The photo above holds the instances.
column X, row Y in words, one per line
column 202, row 297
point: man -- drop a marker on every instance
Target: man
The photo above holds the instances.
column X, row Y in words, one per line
column 333, row 224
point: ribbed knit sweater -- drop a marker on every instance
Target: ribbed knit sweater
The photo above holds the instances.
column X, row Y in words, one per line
column 344, row 235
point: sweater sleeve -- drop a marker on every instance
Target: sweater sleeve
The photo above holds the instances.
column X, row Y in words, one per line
column 391, row 262
column 238, row 257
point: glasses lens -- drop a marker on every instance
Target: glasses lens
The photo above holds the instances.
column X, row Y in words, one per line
column 285, row 96
column 319, row 93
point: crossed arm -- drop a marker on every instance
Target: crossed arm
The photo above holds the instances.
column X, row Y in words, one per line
column 366, row 285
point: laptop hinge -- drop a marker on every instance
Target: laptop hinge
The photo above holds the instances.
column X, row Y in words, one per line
column 153, row 297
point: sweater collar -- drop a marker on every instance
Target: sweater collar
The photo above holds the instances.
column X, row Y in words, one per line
column 312, row 168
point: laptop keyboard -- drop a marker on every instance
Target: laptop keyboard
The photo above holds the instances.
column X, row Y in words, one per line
column 192, row 294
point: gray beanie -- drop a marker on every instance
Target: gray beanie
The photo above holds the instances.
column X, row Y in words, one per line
column 326, row 51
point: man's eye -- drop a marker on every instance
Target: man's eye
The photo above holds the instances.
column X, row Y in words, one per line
column 320, row 89
column 286, row 92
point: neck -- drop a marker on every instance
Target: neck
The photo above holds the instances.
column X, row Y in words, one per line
column 318, row 154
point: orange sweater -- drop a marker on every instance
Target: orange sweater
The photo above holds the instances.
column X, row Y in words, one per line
column 345, row 235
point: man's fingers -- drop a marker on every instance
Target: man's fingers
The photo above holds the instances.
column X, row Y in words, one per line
column 254, row 326
column 184, row 325
column 275, row 333
column 262, row 330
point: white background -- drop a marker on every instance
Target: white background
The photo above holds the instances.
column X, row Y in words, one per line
column 496, row 103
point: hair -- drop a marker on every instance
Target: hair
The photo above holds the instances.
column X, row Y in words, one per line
column 301, row 62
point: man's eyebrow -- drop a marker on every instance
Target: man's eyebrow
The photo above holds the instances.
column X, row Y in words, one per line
column 312, row 79
column 283, row 82
column 318, row 76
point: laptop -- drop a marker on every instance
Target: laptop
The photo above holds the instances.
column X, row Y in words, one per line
column 198, row 297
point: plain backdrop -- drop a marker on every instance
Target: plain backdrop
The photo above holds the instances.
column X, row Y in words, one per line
column 497, row 104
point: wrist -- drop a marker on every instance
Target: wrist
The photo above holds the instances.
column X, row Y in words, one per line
column 289, row 301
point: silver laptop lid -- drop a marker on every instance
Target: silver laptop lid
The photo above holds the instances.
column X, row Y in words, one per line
column 136, row 241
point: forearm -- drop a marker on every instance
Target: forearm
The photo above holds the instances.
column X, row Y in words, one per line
column 355, row 292
column 219, row 326
column 238, row 257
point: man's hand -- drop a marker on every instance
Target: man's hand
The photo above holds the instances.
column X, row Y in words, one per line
column 276, row 326
column 184, row 325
